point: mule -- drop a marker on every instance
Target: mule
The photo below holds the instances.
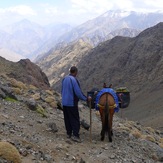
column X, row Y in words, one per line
column 106, row 108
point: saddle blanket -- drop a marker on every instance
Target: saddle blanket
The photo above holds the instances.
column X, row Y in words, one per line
column 110, row 91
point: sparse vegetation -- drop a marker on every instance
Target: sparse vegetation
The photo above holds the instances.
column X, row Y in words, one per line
column 9, row 152
column 41, row 111
column 10, row 99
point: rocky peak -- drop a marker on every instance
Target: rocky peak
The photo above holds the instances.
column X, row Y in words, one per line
column 24, row 71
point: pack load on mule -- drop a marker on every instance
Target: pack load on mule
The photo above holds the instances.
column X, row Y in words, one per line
column 112, row 93
column 123, row 97
column 122, row 93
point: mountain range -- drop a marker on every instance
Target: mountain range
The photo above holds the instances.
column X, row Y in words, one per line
column 30, row 40
column 26, row 38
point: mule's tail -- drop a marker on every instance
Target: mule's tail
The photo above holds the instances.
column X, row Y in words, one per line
column 106, row 114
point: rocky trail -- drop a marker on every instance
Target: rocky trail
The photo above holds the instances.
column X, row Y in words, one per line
column 39, row 135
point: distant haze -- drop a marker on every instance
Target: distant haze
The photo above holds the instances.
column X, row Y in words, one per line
column 9, row 55
column 73, row 12
column 28, row 39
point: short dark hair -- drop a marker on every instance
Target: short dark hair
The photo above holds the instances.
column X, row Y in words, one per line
column 73, row 69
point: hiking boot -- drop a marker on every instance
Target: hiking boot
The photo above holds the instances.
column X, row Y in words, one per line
column 76, row 139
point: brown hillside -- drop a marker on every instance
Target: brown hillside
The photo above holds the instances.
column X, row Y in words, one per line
column 57, row 63
column 24, row 71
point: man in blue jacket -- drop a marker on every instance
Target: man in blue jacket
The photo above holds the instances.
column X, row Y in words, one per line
column 71, row 93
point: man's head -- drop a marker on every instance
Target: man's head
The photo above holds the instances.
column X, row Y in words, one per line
column 73, row 70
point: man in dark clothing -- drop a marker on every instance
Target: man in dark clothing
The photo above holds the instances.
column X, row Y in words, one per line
column 71, row 93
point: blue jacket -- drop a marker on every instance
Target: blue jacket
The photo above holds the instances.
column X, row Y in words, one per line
column 71, row 92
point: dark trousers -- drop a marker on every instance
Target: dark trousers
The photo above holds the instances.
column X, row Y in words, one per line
column 72, row 120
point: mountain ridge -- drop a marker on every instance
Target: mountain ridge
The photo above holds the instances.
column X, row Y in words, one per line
column 24, row 71
column 30, row 39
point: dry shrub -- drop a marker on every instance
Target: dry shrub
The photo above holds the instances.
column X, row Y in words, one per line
column 161, row 145
column 36, row 96
column 161, row 140
column 9, row 152
column 49, row 92
column 41, row 111
column 17, row 91
column 150, row 138
column 124, row 128
column 56, row 93
column 150, row 129
column 131, row 123
column 17, row 84
column 32, row 87
column 53, row 104
column 136, row 133
column 50, row 99
column 5, row 76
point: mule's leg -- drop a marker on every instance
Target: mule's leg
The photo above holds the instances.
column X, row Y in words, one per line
column 102, row 134
column 109, row 135
column 109, row 126
column 103, row 125
column 111, row 120
column 103, row 129
column 112, row 132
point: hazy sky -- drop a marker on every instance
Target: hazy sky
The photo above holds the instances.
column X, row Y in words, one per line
column 68, row 11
